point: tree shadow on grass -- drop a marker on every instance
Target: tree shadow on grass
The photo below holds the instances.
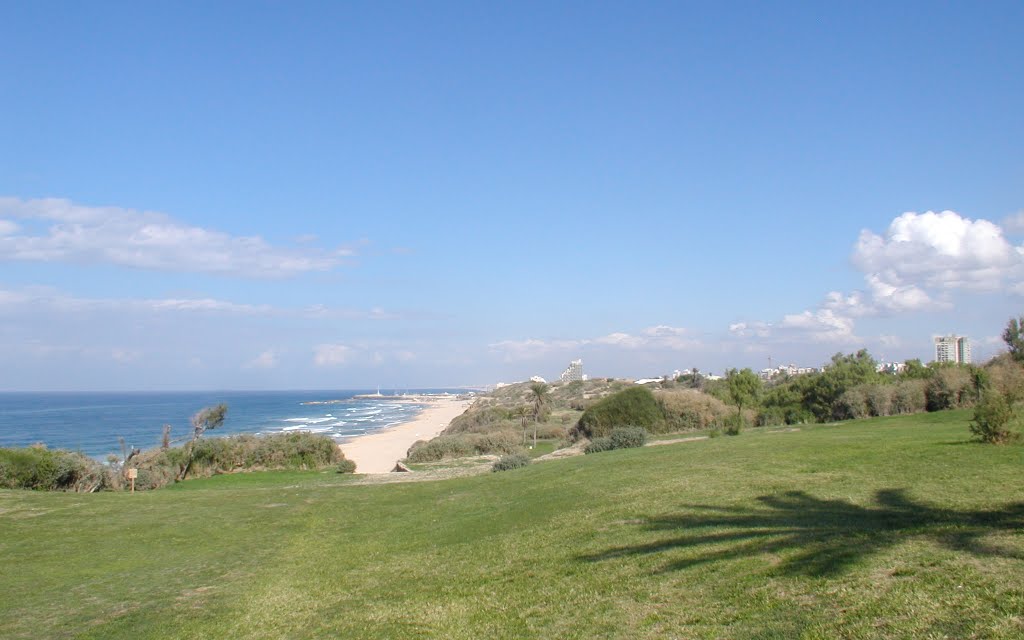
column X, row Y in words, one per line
column 827, row 535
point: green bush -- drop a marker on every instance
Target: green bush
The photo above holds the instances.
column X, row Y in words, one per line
column 511, row 461
column 597, row 445
column 44, row 469
column 628, row 437
column 346, row 466
column 631, row 406
column 465, row 444
column 994, row 419
column 733, row 425
column 620, row 438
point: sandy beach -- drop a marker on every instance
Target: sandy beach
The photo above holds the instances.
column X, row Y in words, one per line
column 378, row 452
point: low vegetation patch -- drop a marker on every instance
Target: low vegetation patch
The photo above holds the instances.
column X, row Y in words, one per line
column 511, row 461
column 58, row 470
column 445, row 447
column 45, row 469
column 619, row 438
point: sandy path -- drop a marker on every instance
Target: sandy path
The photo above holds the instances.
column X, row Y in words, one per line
column 378, row 452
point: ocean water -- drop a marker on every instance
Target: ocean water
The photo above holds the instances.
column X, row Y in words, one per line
column 93, row 422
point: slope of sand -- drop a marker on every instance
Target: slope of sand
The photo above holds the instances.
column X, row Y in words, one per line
column 378, row 452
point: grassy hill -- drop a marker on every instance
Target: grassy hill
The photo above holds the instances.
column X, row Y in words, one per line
column 891, row 528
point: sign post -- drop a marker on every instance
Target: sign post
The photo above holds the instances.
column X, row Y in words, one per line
column 132, row 474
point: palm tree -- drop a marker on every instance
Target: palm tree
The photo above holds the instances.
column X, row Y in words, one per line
column 523, row 413
column 540, row 398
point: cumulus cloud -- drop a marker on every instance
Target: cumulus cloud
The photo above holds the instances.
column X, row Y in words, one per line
column 915, row 265
column 750, row 329
column 330, row 355
column 940, row 251
column 823, row 325
column 61, row 231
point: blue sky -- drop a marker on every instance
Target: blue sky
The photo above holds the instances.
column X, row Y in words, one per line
column 325, row 195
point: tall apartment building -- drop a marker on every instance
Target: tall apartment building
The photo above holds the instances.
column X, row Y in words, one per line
column 573, row 372
column 953, row 349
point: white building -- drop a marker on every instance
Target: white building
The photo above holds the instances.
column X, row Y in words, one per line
column 574, row 371
column 538, row 379
column 953, row 349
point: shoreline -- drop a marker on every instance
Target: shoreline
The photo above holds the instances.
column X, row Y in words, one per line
column 379, row 451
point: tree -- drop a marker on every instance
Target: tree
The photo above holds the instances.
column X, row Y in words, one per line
column 523, row 413
column 540, row 400
column 539, row 395
column 844, row 372
column 1013, row 336
column 203, row 421
column 744, row 387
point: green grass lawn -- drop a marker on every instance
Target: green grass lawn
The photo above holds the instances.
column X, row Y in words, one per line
column 889, row 528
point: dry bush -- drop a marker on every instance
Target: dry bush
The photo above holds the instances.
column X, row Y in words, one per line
column 691, row 410
column 1006, row 377
column 908, row 396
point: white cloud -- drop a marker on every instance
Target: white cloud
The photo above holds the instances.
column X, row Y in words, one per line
column 532, row 348
column 34, row 299
column 823, row 325
column 146, row 240
column 916, row 265
column 750, row 329
column 658, row 337
column 327, row 355
column 265, row 360
column 941, row 251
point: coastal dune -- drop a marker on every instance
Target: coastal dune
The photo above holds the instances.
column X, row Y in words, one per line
column 378, row 452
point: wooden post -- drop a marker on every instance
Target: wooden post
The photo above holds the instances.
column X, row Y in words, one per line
column 132, row 474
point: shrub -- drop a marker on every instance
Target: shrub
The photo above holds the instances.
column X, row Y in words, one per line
column 879, row 399
column 464, row 444
column 43, row 469
column 631, row 406
column 620, row 438
column 853, row 403
column 994, row 418
column 691, row 410
column 439, row 448
column 511, row 461
column 908, row 397
column 597, row 445
column 628, row 437
column 949, row 388
column 1006, row 377
column 733, row 425
column 346, row 466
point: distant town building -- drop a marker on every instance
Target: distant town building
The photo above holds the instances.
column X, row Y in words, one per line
column 574, row 372
column 953, row 349
column 891, row 367
column 648, row 380
column 783, row 370
column 538, row 379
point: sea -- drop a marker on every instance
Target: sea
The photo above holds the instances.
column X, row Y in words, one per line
column 93, row 422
